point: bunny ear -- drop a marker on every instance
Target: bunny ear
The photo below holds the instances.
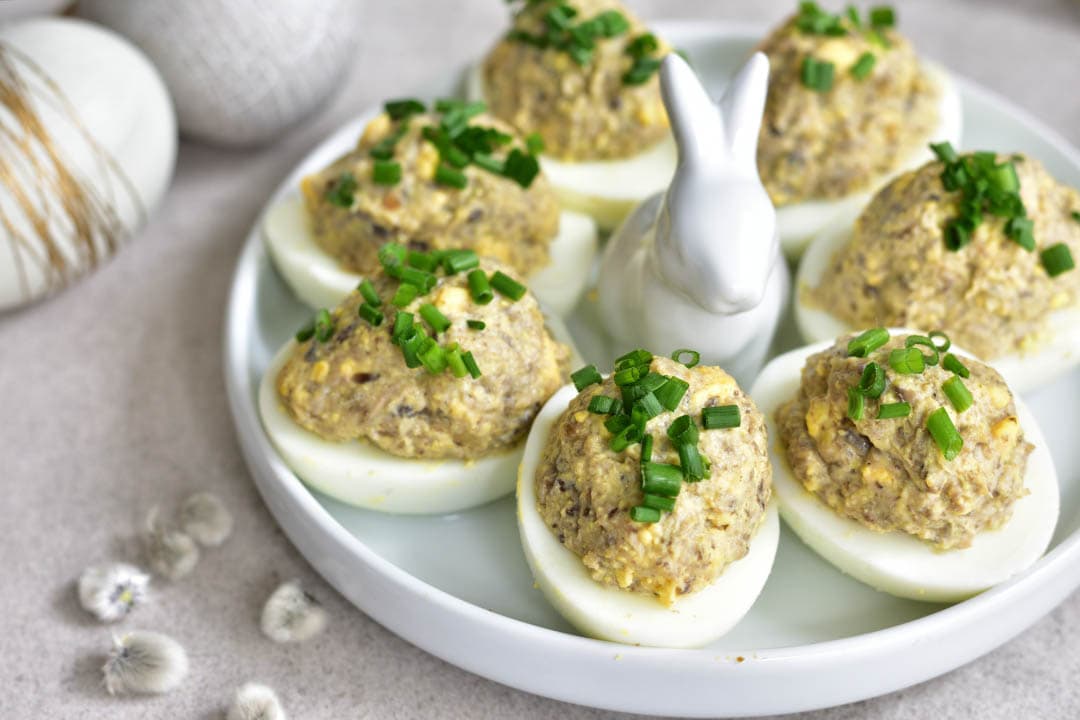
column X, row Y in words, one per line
column 742, row 106
column 695, row 121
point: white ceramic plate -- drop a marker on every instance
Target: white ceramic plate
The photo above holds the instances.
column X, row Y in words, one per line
column 458, row 586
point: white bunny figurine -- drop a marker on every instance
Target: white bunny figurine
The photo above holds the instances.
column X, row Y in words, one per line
column 699, row 266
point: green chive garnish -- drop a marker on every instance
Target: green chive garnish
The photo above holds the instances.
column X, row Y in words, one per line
column 470, row 365
column 933, row 357
column 1057, row 259
column 403, row 325
column 944, row 152
column 601, row 404
column 953, row 365
column 479, row 287
column 306, row 332
column 324, row 325
column 401, row 109
column 476, row 324
column 341, row 193
column 958, row 394
column 404, row 295
column 658, row 502
column 432, row 356
column 633, row 358
column 683, row 430
column 1075, row 215
column 721, row 417
column 410, row 343
column 882, row 16
column 370, row 313
column 694, row 357
column 661, row 479
column 944, row 433
column 367, row 291
column 585, row 377
column 392, row 254
column 457, row 261
column 456, row 364
column 856, row 404
column 451, row 177
column 629, row 375
column 643, row 514
column 625, row 438
column 507, row 286
column 1021, row 230
column 386, row 172
column 817, row 75
column 866, row 343
column 534, row 143
column 671, row 393
column 872, row 382
column 521, row 167
column 646, row 448
column 890, row 411
column 863, row 66
column 616, row 424
column 945, row 343
column 907, row 361
column 690, row 460
column 421, row 261
column 431, row 314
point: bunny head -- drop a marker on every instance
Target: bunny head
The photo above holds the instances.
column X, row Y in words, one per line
column 716, row 238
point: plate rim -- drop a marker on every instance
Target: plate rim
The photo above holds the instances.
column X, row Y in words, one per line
column 930, row 635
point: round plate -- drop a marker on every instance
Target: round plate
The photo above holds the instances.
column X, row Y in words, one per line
column 458, row 585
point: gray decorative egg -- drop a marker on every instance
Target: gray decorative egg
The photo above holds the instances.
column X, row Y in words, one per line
column 87, row 147
column 239, row 71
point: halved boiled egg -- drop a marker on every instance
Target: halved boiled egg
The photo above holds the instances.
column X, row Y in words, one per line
column 992, row 295
column 319, row 280
column 896, row 561
column 401, row 452
column 642, row 582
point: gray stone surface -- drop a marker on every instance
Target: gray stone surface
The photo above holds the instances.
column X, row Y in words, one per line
column 112, row 401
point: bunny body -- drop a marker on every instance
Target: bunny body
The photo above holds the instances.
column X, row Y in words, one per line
column 699, row 265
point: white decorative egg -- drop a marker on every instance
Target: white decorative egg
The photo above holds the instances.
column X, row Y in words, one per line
column 241, row 71
column 87, row 146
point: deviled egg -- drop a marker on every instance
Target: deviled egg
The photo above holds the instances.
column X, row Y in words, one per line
column 448, row 178
column 908, row 464
column 415, row 393
column 979, row 245
column 644, row 502
column 581, row 75
column 850, row 104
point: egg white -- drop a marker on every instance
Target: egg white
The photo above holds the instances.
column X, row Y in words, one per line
column 895, row 562
column 1022, row 371
column 358, row 473
column 798, row 223
column 318, row 279
column 606, row 190
column 610, row 613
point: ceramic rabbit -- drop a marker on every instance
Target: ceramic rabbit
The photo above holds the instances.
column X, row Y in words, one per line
column 699, row 265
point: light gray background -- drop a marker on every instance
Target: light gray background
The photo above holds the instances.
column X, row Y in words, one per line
column 111, row 400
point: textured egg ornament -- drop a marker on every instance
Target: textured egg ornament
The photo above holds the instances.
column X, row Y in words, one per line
column 88, row 146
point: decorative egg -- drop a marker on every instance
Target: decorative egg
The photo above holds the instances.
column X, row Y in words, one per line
column 241, row 71
column 87, row 146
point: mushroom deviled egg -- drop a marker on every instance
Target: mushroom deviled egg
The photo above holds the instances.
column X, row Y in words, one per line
column 644, row 502
column 414, row 395
column 980, row 245
column 850, row 104
column 581, row 75
column 908, row 464
column 433, row 179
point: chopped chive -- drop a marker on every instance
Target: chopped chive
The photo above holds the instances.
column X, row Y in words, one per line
column 1075, row 214
column 933, row 357
column 1021, row 230
column 410, row 344
column 907, row 361
column 953, row 365
column 659, row 502
column 534, row 143
column 324, row 325
column 521, row 167
column 945, row 434
column 641, row 70
column 646, row 448
column 342, row 191
column 671, row 393
column 1057, row 259
column 872, row 382
column 944, row 345
column 370, row 313
column 661, row 479
column 507, row 286
column 944, row 152
column 616, row 424
column 694, row 359
column 404, row 295
column 432, row 356
column 882, row 16
column 632, row 358
column 386, row 172
column 817, row 75
column 306, row 332
column 628, row 376
column 890, row 411
column 421, row 261
column 403, row 324
column 721, row 417
column 479, row 287
column 601, row 404
column 367, row 291
column 649, row 405
column 456, row 364
column 643, row 514
column 470, row 364
column 457, row 261
column 683, row 430
column 690, row 460
column 585, row 377
column 853, row 15
column 476, row 324
column 432, row 315
column 866, row 343
column 863, row 66
column 392, row 254
column 958, row 394
column 856, row 404
column 642, row 45
column 625, row 438
column 449, row 176
column 400, row 109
